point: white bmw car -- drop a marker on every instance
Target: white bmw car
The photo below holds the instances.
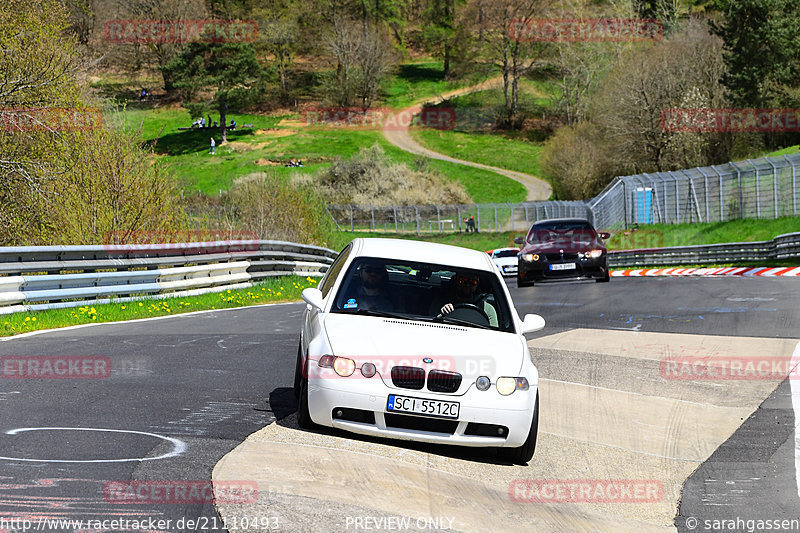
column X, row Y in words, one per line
column 506, row 259
column 418, row 341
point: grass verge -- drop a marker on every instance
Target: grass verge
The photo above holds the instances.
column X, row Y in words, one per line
column 283, row 289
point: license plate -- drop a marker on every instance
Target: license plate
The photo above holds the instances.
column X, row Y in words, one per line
column 418, row 406
column 563, row 266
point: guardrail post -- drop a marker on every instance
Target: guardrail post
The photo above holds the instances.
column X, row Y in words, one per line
column 794, row 184
column 774, row 184
column 758, row 190
column 721, row 197
column 741, row 198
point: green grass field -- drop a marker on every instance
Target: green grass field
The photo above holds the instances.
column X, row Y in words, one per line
column 272, row 142
column 421, row 80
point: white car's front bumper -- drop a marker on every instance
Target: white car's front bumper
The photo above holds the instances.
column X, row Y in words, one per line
column 515, row 412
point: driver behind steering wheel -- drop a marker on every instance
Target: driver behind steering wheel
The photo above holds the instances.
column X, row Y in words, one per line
column 466, row 292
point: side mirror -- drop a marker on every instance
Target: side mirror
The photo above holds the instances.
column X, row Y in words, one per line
column 604, row 235
column 532, row 323
column 313, row 297
column 519, row 240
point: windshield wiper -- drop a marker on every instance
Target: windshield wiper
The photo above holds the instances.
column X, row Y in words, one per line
column 385, row 314
column 448, row 320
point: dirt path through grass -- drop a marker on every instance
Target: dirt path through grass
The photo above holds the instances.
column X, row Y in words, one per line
column 400, row 136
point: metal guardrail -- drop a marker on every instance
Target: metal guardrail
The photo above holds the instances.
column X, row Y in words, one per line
column 781, row 247
column 47, row 277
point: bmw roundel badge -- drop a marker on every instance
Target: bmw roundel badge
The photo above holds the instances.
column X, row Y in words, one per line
column 427, row 360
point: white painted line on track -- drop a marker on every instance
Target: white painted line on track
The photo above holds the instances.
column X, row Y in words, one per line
column 178, row 446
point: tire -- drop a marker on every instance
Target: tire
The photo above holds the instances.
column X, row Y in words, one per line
column 303, row 416
column 521, row 283
column 523, row 454
column 298, row 374
column 604, row 280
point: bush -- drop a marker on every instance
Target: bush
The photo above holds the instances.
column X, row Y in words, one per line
column 574, row 161
column 370, row 178
column 272, row 208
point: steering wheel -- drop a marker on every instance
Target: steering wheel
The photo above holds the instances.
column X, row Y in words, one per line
column 469, row 313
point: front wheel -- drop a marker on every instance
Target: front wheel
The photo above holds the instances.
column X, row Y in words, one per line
column 524, row 453
column 521, row 283
column 303, row 416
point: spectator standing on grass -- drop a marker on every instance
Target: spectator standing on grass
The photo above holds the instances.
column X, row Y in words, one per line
column 213, row 145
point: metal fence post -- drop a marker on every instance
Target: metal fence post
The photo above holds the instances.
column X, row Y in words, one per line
column 721, row 197
column 758, row 190
column 416, row 215
column 510, row 206
column 458, row 210
column 624, row 203
column 438, row 216
column 496, row 227
column 705, row 185
column 794, row 184
column 527, row 219
column 677, row 198
column 478, row 209
column 351, row 217
column 741, row 198
column 372, row 218
column 774, row 184
column 394, row 210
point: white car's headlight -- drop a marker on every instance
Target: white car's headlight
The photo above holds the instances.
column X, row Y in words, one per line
column 506, row 386
column 341, row 365
column 344, row 366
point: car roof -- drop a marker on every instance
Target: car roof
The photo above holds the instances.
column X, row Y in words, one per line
column 411, row 250
column 560, row 220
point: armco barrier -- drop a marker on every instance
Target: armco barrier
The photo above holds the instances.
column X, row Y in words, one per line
column 781, row 247
column 47, row 277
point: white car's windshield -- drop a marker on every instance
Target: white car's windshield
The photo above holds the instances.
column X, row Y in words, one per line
column 506, row 253
column 421, row 291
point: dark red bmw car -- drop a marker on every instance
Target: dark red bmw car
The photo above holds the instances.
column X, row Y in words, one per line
column 562, row 249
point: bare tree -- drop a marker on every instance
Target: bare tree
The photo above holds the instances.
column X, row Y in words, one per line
column 686, row 68
column 510, row 51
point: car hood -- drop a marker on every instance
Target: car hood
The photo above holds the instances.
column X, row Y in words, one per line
column 390, row 342
column 568, row 247
column 506, row 261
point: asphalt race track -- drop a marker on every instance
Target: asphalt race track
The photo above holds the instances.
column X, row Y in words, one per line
column 185, row 392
